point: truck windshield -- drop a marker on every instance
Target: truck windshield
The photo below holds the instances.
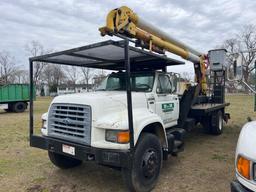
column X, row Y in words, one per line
column 140, row 82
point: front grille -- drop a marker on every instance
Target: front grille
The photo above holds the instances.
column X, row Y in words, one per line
column 70, row 122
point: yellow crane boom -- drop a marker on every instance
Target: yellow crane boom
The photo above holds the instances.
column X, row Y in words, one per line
column 124, row 21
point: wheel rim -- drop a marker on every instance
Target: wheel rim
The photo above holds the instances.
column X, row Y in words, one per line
column 220, row 123
column 149, row 163
column 20, row 107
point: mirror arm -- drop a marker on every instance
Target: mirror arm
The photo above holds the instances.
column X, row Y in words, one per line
column 248, row 86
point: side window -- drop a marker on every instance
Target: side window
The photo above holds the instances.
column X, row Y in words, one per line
column 174, row 78
column 164, row 85
column 113, row 83
column 143, row 83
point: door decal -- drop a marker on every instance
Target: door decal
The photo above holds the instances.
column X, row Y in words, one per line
column 167, row 107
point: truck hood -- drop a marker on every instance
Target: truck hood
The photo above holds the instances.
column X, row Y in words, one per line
column 90, row 98
column 246, row 143
column 104, row 103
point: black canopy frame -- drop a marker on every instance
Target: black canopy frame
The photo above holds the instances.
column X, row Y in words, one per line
column 108, row 55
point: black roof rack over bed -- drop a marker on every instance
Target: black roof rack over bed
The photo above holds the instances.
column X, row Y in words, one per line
column 108, row 55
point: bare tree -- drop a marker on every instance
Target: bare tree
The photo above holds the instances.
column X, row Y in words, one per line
column 35, row 48
column 248, row 40
column 187, row 76
column 59, row 75
column 88, row 74
column 19, row 76
column 72, row 74
column 7, row 67
column 98, row 78
column 232, row 45
column 54, row 76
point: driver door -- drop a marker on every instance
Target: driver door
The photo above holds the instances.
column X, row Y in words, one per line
column 167, row 104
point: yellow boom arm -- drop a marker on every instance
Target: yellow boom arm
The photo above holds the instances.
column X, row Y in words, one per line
column 124, row 21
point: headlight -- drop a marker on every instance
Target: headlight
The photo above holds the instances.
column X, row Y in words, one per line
column 243, row 166
column 117, row 136
column 44, row 120
column 44, row 124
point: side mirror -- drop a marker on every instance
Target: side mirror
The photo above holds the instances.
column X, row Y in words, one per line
column 235, row 68
column 173, row 89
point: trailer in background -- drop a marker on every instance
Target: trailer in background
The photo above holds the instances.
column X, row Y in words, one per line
column 14, row 97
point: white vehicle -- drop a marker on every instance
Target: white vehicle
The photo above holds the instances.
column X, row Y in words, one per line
column 136, row 118
column 246, row 160
column 96, row 126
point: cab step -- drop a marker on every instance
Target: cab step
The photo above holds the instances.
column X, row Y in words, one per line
column 178, row 147
column 175, row 139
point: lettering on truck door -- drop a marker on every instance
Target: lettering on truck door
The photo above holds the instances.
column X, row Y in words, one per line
column 166, row 103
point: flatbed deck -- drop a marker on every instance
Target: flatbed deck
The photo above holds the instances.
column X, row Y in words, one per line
column 204, row 108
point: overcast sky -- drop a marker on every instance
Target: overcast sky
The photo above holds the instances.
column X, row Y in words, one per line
column 64, row 24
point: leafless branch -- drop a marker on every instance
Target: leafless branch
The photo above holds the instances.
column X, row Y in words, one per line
column 7, row 67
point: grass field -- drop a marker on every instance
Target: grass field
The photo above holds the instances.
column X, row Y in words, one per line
column 207, row 164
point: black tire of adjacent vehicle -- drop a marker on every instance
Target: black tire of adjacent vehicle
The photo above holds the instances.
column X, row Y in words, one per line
column 19, row 107
column 149, row 152
column 63, row 162
column 213, row 124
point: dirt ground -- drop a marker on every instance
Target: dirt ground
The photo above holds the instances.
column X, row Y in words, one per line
column 206, row 165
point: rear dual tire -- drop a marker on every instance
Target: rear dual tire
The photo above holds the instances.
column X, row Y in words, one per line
column 213, row 124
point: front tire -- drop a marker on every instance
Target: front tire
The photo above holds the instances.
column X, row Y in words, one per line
column 146, row 165
column 63, row 162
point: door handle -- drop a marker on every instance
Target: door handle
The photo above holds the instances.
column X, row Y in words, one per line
column 151, row 99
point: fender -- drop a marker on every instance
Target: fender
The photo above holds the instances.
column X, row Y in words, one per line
column 245, row 148
column 142, row 117
column 145, row 117
column 246, row 140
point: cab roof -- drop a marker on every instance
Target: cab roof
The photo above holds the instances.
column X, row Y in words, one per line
column 108, row 55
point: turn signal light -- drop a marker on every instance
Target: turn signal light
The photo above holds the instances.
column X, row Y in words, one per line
column 243, row 167
column 123, row 137
column 117, row 136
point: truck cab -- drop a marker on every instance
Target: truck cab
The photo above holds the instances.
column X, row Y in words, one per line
column 155, row 101
column 157, row 88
